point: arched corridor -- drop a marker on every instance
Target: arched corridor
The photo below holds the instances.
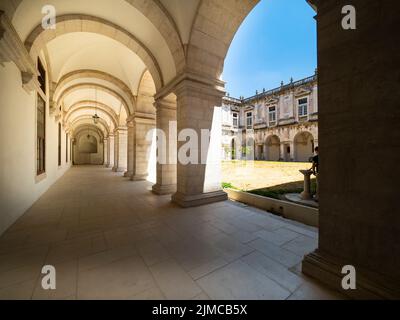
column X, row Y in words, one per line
column 113, row 239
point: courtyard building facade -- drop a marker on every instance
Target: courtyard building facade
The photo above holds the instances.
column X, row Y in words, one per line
column 83, row 82
column 280, row 124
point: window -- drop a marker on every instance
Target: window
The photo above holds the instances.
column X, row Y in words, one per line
column 59, row 144
column 41, row 121
column 249, row 120
column 303, row 107
column 42, row 76
column 272, row 115
column 41, row 135
column 66, row 148
column 235, row 120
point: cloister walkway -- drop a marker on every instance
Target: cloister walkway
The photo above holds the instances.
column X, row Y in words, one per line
column 110, row 238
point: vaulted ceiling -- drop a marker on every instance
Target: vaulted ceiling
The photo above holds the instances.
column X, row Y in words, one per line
column 101, row 51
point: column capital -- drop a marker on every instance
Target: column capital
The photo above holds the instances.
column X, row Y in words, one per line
column 146, row 118
column 119, row 129
column 192, row 87
column 191, row 75
column 130, row 123
column 165, row 103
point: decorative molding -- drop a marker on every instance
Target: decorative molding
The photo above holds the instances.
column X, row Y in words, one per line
column 13, row 49
column 164, row 103
column 29, row 81
column 302, row 91
column 272, row 100
column 313, row 4
column 141, row 116
column 193, row 78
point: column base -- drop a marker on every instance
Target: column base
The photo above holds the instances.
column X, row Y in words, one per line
column 164, row 189
column 199, row 199
column 370, row 285
column 118, row 169
column 128, row 174
column 139, row 177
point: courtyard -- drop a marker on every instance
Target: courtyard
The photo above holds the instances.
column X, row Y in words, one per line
column 251, row 175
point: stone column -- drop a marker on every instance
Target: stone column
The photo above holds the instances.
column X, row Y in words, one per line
column 111, row 150
column 121, row 149
column 106, row 154
column 199, row 107
column 282, row 151
column 131, row 147
column 165, row 122
column 292, row 153
column 359, row 217
column 143, row 142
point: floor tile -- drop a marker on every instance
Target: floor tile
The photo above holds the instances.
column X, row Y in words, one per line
column 120, row 241
column 173, row 281
column 239, row 281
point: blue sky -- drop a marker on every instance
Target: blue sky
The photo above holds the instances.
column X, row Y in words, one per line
column 276, row 41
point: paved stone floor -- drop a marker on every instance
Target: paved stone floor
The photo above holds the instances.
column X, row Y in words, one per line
column 111, row 238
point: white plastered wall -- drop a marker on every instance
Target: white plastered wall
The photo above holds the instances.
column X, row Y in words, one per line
column 19, row 186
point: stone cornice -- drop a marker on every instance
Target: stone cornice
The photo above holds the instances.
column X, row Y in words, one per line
column 313, row 4
column 13, row 49
column 164, row 103
column 194, row 78
column 301, row 91
column 145, row 121
column 141, row 116
column 120, row 129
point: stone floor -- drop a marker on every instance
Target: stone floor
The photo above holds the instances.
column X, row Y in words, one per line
column 111, row 238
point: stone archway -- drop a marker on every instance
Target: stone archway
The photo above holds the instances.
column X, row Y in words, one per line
column 88, row 146
column 303, row 146
column 39, row 37
column 272, row 148
column 128, row 105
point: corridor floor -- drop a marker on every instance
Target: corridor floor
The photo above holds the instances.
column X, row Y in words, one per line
column 111, row 238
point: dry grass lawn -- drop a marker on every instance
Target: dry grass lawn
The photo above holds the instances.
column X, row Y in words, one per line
column 250, row 175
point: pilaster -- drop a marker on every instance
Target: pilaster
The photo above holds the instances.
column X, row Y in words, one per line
column 166, row 145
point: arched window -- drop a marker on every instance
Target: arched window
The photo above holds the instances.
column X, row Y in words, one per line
column 59, row 144
column 41, row 135
column 41, row 121
column 66, row 148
